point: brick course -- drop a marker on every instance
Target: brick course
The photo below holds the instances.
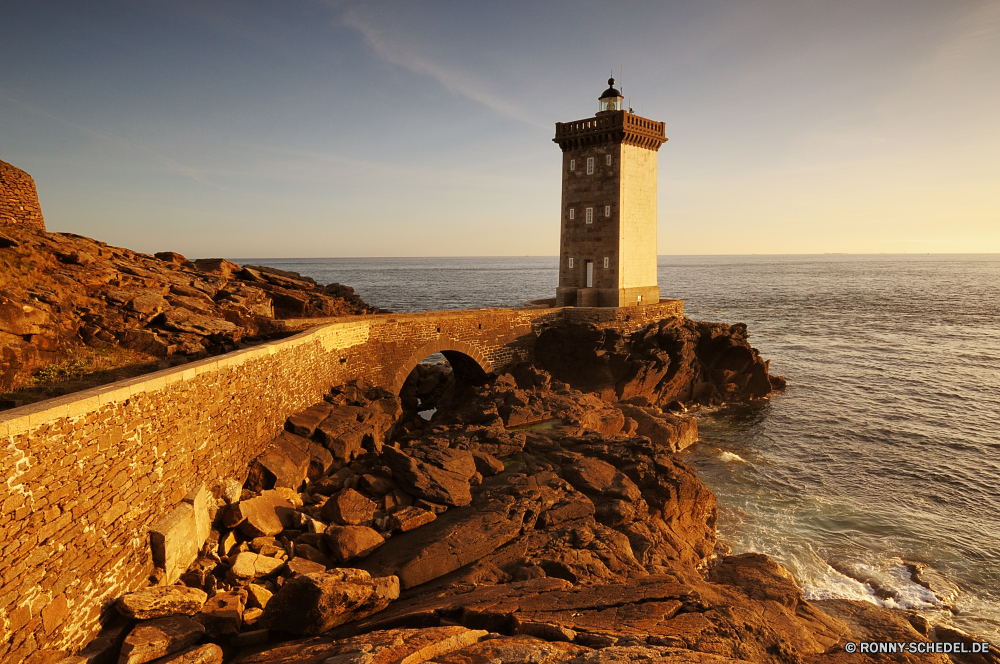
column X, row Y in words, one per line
column 87, row 475
column 19, row 199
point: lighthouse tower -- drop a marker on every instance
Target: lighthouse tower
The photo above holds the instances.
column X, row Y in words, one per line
column 607, row 242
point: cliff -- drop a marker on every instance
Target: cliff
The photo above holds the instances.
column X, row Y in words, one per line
column 75, row 312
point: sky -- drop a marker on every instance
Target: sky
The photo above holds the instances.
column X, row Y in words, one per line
column 307, row 128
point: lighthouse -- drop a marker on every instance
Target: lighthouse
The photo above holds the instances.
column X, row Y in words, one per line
column 607, row 239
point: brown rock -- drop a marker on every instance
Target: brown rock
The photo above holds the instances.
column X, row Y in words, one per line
column 219, row 266
column 429, row 481
column 455, row 539
column 257, row 596
column 393, row 645
column 148, row 304
column 305, row 422
column 309, row 552
column 348, row 508
column 408, row 518
column 253, row 566
column 314, row 603
column 513, row 649
column 171, row 257
column 349, row 542
column 594, row 476
column 222, row 614
column 487, row 464
column 285, row 463
column 304, row 566
column 159, row 637
column 208, row 653
column 267, row 514
column 667, row 432
column 161, row 601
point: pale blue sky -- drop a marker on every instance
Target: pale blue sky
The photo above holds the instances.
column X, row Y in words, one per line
column 307, row 128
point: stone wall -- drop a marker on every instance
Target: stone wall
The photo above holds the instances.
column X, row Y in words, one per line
column 637, row 249
column 87, row 475
column 19, row 199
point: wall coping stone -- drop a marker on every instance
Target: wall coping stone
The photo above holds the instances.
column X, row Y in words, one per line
column 25, row 418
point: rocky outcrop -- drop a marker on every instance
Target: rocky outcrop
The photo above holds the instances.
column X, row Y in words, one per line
column 71, row 303
column 526, row 521
column 675, row 360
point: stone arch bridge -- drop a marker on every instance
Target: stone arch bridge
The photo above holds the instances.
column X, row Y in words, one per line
column 88, row 474
column 384, row 349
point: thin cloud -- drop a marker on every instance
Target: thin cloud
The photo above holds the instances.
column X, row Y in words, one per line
column 173, row 165
column 394, row 47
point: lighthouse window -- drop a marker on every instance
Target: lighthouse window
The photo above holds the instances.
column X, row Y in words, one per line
column 605, row 262
column 609, row 160
column 572, row 164
column 572, row 213
column 590, row 165
column 571, row 262
column 607, row 213
column 590, row 215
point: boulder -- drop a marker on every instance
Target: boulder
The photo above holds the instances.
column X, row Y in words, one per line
column 176, row 538
column 432, row 482
column 349, row 542
column 455, row 539
column 249, row 565
column 408, row 518
column 303, row 566
column 667, row 432
column 161, row 601
column 402, row 646
column 159, row 637
column 285, row 463
column 314, row 603
column 348, row 429
column 217, row 266
column 208, row 653
column 486, row 464
column 222, row 614
column 257, row 596
column 304, row 423
column 267, row 514
column 348, row 508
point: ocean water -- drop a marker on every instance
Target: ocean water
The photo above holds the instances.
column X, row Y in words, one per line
column 883, row 455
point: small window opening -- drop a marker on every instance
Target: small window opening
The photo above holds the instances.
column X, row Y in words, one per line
column 571, row 262
column 605, row 262
column 590, row 215
column 609, row 160
column 590, row 165
column 572, row 213
column 572, row 164
column 607, row 210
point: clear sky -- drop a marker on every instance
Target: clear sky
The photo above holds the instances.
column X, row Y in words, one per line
column 310, row 129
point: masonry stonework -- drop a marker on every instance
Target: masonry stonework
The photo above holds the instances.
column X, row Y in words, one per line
column 87, row 476
column 19, row 199
column 608, row 225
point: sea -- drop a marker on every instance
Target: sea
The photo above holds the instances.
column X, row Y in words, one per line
column 875, row 475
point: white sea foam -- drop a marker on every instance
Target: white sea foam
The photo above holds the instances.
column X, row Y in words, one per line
column 730, row 457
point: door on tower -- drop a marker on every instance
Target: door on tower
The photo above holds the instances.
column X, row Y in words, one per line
column 590, row 274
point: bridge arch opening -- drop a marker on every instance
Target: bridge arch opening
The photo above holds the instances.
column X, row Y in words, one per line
column 435, row 375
